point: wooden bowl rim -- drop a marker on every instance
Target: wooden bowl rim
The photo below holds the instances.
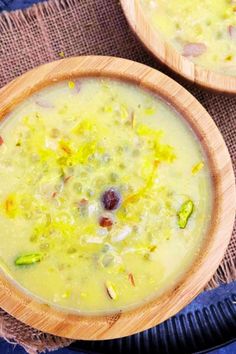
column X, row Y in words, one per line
column 52, row 320
column 169, row 56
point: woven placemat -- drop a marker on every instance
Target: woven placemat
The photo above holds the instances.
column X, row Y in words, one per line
column 62, row 28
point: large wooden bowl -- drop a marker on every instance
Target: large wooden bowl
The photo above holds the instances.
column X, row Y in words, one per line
column 52, row 320
column 167, row 54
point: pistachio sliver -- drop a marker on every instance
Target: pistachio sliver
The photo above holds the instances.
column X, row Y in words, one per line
column 110, row 290
column 28, row 259
column 131, row 279
column 184, row 213
column 197, row 168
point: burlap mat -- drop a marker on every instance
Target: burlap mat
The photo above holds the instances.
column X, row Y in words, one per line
column 60, row 28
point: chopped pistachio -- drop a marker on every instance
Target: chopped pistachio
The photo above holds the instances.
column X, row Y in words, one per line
column 152, row 248
column 71, row 84
column 184, row 213
column 28, row 259
column 110, row 290
column 149, row 110
column 197, row 167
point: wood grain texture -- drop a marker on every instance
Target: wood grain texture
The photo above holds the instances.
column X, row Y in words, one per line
column 167, row 54
column 72, row 325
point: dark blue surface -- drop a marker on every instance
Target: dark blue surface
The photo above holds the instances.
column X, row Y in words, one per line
column 6, row 348
column 212, row 315
column 9, row 5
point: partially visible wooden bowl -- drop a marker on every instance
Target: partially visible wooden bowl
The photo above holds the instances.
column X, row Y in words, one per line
column 52, row 320
column 167, row 54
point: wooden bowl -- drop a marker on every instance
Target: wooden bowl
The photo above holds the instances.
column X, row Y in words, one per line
column 167, row 54
column 52, row 320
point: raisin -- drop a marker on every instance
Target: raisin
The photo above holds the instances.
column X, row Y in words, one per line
column 105, row 222
column 110, row 199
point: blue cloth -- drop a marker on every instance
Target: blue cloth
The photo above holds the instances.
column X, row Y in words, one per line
column 9, row 5
column 6, row 348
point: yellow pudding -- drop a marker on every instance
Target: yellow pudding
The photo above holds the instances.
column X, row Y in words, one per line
column 202, row 30
column 105, row 196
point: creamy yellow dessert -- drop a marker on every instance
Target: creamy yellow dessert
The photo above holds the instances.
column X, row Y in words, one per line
column 105, row 196
column 202, row 30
